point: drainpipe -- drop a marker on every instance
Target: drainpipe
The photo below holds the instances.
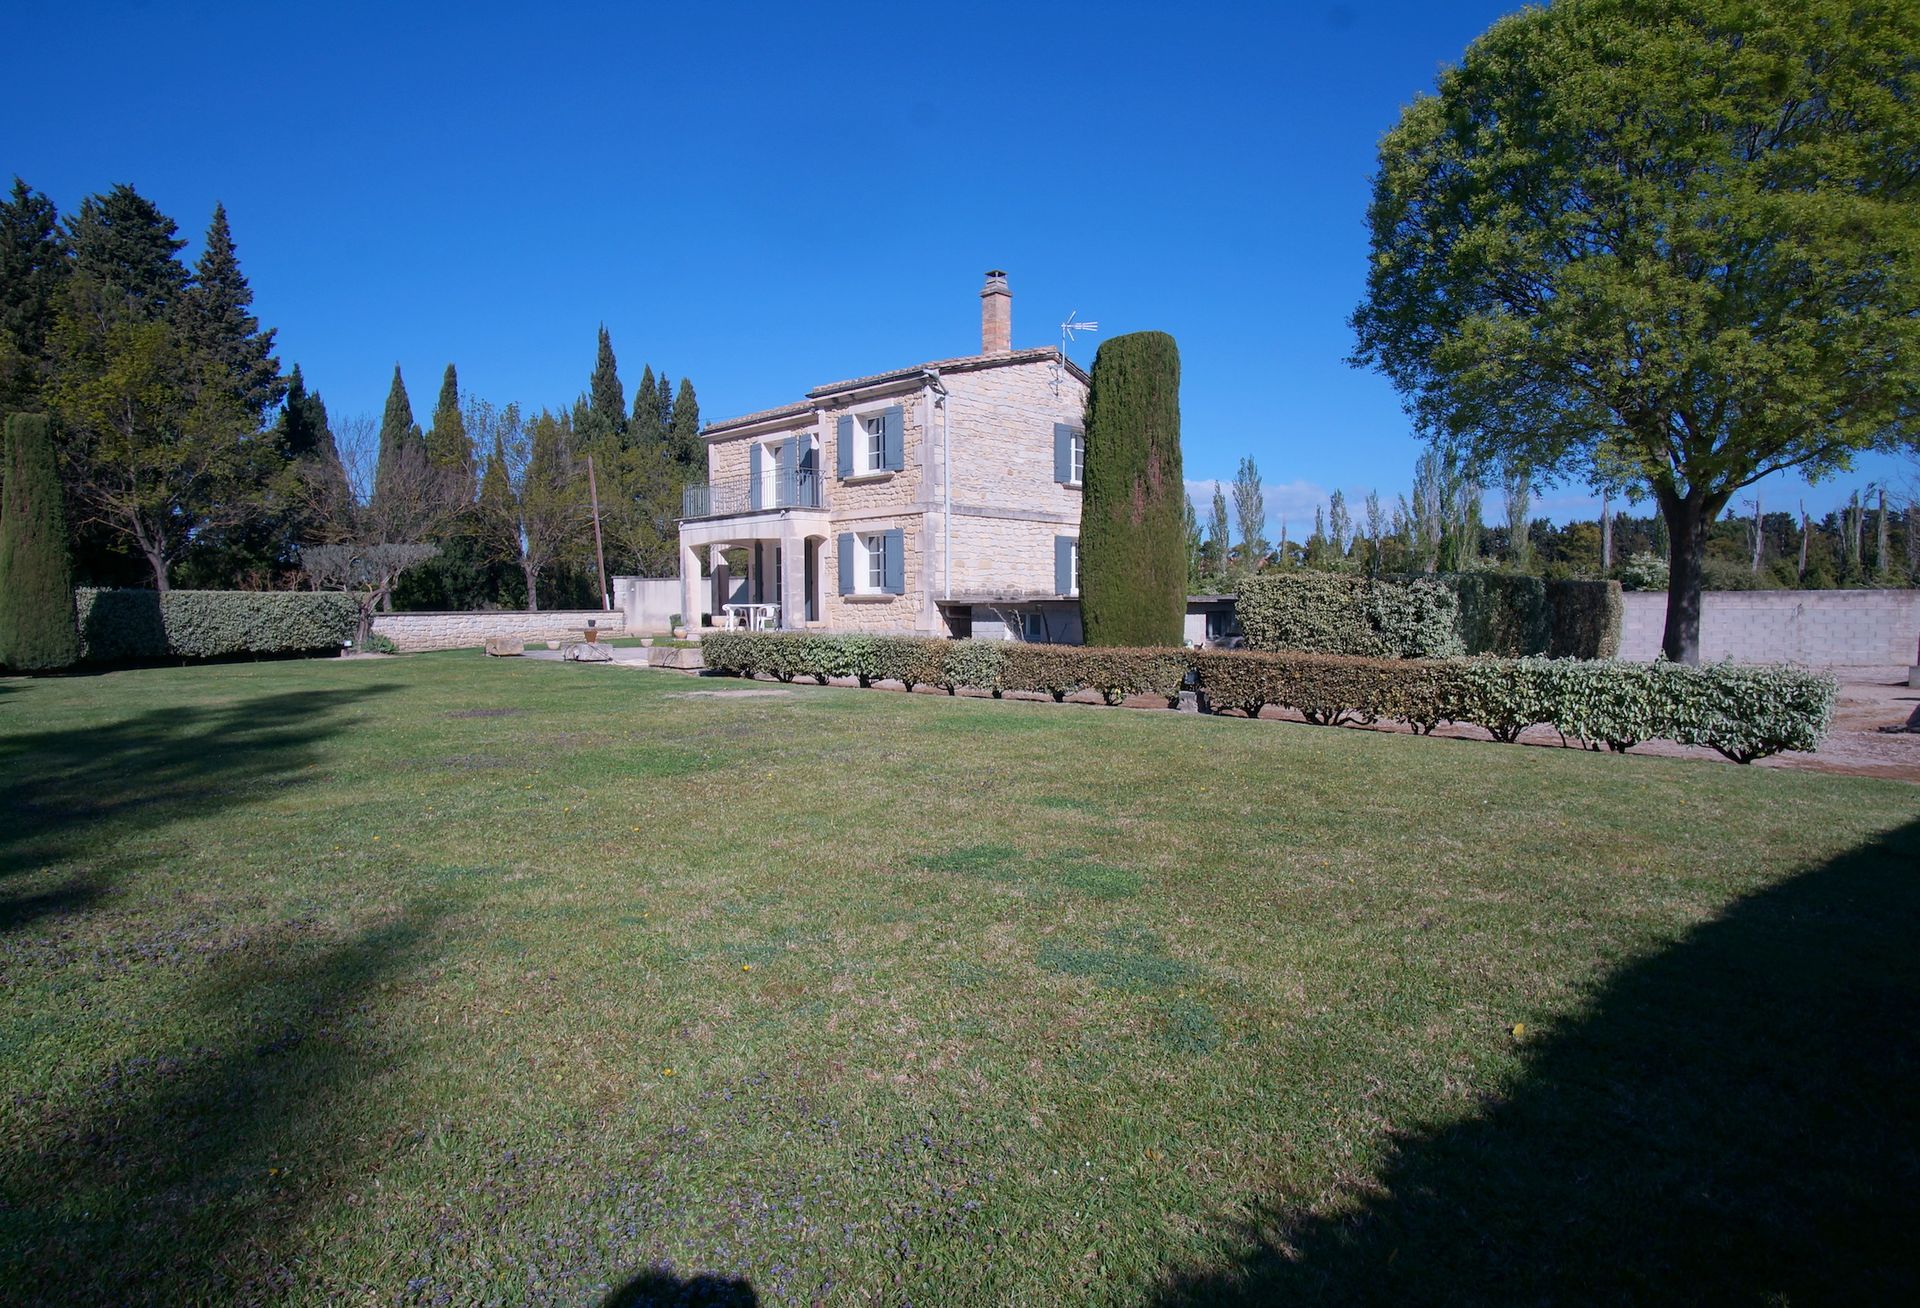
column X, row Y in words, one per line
column 946, row 481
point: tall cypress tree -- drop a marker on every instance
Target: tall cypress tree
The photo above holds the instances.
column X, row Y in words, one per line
column 1133, row 557
column 644, row 428
column 221, row 329
column 33, row 267
column 36, row 571
column 606, row 397
column 400, row 440
column 306, row 440
column 125, row 247
column 449, row 448
column 683, row 428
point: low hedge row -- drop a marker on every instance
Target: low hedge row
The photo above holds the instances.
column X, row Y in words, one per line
column 1744, row 712
column 119, row 626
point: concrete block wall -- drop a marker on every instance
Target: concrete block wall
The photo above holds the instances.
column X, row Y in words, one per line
column 1862, row 632
column 413, row 633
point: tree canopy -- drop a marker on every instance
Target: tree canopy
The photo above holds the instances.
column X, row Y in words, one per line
column 1674, row 246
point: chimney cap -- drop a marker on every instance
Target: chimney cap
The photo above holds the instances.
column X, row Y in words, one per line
column 996, row 280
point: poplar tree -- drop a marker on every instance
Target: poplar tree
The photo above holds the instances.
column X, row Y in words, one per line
column 37, row 630
column 1133, row 540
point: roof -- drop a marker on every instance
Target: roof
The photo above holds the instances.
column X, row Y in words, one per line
column 966, row 363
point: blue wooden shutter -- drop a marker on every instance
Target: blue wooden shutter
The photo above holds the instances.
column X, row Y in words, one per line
column 1063, row 564
column 892, row 445
column 785, row 460
column 1062, row 453
column 893, row 562
column 843, row 438
column 753, row 482
column 845, row 550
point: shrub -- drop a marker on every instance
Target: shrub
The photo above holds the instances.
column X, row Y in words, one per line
column 1503, row 613
column 37, row 631
column 1643, row 572
column 1583, row 619
column 121, row 625
column 1339, row 613
column 1133, row 541
column 1743, row 712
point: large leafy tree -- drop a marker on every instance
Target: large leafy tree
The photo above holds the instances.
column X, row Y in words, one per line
column 1675, row 240
column 1133, row 530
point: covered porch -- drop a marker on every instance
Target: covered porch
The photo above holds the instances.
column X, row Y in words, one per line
column 753, row 571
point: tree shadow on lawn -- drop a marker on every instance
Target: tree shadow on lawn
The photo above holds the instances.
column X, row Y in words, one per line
column 1733, row 1119
column 188, row 1173
column 143, row 773
column 657, row 1288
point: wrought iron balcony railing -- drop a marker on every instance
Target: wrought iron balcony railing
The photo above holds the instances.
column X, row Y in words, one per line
column 800, row 488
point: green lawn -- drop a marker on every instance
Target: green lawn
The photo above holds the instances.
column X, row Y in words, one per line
column 454, row 980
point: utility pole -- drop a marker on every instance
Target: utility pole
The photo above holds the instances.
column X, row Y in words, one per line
column 1806, row 530
column 599, row 552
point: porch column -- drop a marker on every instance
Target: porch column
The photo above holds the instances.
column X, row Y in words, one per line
column 689, row 584
column 793, row 580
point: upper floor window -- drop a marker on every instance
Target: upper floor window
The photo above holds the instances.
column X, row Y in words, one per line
column 876, row 442
column 1079, row 457
column 870, row 442
column 1069, row 454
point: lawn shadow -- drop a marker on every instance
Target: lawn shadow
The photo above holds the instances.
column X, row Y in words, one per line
column 1733, row 1119
column 190, row 1172
column 657, row 1288
column 143, row 773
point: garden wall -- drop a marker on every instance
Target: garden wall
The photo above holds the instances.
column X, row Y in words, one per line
column 413, row 632
column 648, row 602
column 1866, row 634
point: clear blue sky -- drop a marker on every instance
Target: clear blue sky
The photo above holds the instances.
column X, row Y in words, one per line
column 765, row 198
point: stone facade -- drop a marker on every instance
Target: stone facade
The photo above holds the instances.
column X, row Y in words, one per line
column 1866, row 633
column 993, row 414
column 414, row 632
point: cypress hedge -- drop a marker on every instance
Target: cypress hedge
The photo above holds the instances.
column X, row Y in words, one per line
column 1133, row 547
column 37, row 630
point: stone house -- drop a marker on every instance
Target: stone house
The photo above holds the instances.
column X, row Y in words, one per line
column 937, row 499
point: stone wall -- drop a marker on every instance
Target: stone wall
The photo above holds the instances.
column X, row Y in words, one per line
column 1866, row 633
column 414, row 632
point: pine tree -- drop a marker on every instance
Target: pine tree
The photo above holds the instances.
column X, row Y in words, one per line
column 36, row 571
column 1133, row 557
column 306, row 440
column 125, row 249
column 607, row 398
column 683, row 427
column 33, row 268
column 644, row 427
column 223, row 332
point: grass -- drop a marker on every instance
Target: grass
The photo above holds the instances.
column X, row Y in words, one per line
column 454, row 980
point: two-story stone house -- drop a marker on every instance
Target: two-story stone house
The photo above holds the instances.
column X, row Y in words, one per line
column 939, row 499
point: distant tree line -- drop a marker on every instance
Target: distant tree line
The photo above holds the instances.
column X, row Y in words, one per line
column 189, row 458
column 1873, row 540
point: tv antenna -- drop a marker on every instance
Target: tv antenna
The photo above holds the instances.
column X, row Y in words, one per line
column 1074, row 323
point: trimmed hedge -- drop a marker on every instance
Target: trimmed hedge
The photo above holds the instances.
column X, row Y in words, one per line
column 118, row 626
column 1744, row 712
column 1507, row 614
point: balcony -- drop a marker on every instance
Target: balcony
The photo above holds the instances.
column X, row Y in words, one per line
column 801, row 488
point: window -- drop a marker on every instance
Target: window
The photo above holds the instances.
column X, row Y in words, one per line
column 876, row 442
column 1033, row 626
column 1079, row 458
column 876, row 577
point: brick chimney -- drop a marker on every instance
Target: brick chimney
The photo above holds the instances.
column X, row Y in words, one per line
column 996, row 315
